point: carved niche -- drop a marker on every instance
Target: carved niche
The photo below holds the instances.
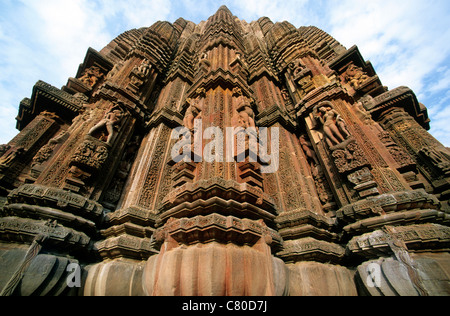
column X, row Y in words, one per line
column 322, row 186
column 239, row 66
column 195, row 108
column 204, row 65
column 114, row 191
column 91, row 155
column 244, row 114
column 302, row 77
column 184, row 172
column 345, row 151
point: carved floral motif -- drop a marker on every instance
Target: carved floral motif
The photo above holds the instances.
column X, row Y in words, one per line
column 349, row 158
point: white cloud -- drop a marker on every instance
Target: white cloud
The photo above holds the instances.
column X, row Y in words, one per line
column 124, row 15
column 443, row 81
column 387, row 32
column 40, row 40
column 64, row 30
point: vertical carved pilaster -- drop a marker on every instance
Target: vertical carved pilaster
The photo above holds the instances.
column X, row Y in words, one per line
column 430, row 156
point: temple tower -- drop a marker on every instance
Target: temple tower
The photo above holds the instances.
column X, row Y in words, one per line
column 224, row 158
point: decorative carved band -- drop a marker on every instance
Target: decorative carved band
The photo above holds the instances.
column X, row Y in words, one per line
column 217, row 228
column 416, row 237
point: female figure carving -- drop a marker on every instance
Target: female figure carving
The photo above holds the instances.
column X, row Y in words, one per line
column 334, row 126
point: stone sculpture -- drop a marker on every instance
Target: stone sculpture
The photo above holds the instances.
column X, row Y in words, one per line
column 111, row 120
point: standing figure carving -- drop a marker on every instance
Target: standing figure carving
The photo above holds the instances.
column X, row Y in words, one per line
column 246, row 114
column 110, row 122
column 204, row 64
column 334, row 126
column 309, row 151
column 194, row 112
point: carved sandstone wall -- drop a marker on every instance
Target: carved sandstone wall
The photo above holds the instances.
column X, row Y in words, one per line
column 359, row 203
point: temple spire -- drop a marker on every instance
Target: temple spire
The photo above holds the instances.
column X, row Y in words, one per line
column 224, row 8
column 223, row 13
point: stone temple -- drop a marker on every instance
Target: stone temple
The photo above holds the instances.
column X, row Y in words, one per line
column 347, row 193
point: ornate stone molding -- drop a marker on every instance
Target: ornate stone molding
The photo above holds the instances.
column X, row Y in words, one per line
column 57, row 198
column 217, row 228
column 43, row 94
column 416, row 238
column 309, row 248
column 15, row 229
column 387, row 203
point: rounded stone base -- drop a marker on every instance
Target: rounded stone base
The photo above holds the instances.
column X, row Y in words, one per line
column 214, row 270
column 120, row 277
column 318, row 279
column 430, row 275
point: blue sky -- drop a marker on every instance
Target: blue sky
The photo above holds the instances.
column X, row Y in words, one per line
column 407, row 41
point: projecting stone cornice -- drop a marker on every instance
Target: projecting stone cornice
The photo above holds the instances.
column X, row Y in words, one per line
column 327, row 92
column 401, row 97
column 352, row 55
column 45, row 97
column 276, row 114
column 94, row 58
column 167, row 116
